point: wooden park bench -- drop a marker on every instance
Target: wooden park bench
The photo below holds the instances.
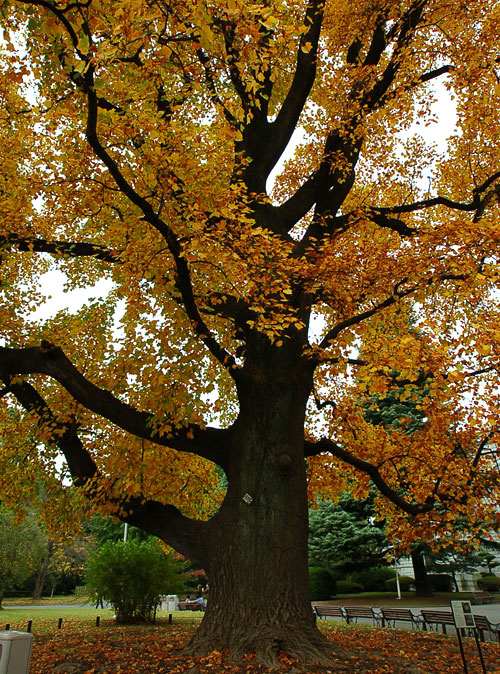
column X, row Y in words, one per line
column 434, row 617
column 390, row 615
column 482, row 597
column 333, row 611
column 189, row 606
column 355, row 612
column 484, row 624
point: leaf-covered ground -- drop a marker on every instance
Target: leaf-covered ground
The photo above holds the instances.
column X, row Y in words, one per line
column 82, row 648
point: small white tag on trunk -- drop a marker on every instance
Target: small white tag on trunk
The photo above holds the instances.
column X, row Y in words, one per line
column 248, row 499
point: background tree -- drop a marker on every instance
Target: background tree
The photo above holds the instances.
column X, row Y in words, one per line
column 345, row 541
column 22, row 545
column 395, row 410
column 489, row 560
column 104, row 529
column 61, row 569
column 452, row 562
column 138, row 141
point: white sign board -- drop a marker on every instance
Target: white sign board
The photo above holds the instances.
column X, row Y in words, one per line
column 462, row 614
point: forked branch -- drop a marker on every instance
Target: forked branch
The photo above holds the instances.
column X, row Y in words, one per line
column 330, row 447
column 162, row 520
column 50, row 360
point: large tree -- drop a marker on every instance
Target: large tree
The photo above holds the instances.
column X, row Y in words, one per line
column 241, row 326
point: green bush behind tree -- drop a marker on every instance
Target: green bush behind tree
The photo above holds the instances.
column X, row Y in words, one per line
column 489, row 583
column 344, row 536
column 374, row 578
column 405, row 584
column 348, row 587
column 321, row 583
column 132, row 576
column 441, row 582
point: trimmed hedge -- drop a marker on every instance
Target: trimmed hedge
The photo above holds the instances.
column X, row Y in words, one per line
column 321, row 583
column 440, row 582
column 373, row 579
column 348, row 587
column 405, row 583
column 489, row 583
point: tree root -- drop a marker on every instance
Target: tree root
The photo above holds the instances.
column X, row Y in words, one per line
column 269, row 647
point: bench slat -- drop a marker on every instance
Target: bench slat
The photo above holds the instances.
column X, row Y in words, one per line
column 355, row 612
column 189, row 606
column 334, row 611
column 402, row 614
column 484, row 624
column 442, row 618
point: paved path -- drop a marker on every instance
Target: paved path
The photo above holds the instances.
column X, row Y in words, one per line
column 27, row 607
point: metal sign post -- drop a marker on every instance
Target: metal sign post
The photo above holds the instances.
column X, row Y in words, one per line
column 464, row 619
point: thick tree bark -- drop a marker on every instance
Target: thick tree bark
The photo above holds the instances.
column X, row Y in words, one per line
column 257, row 543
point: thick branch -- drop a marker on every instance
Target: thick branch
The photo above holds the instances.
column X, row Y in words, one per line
column 326, row 445
column 328, row 188
column 68, row 248
column 407, row 26
column 187, row 536
column 481, row 197
column 359, row 318
column 164, row 521
column 383, row 220
column 280, row 131
column 183, row 276
column 63, row 434
column 50, row 360
column 51, row 7
column 204, row 59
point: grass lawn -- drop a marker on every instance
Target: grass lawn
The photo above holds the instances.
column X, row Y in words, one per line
column 80, row 647
column 45, row 601
column 46, row 620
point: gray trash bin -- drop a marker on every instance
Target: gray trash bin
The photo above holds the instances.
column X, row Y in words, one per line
column 15, row 652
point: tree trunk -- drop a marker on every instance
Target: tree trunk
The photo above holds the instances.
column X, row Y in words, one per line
column 259, row 598
column 422, row 585
column 41, row 575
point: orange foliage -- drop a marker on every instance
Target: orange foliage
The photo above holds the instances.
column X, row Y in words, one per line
column 85, row 649
column 136, row 141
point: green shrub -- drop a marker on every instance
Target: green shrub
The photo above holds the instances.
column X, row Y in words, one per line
column 348, row 587
column 405, row 583
column 373, row 579
column 440, row 582
column 133, row 576
column 321, row 583
column 489, row 583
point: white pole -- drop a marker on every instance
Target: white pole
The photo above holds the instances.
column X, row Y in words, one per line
column 398, row 585
column 125, row 532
